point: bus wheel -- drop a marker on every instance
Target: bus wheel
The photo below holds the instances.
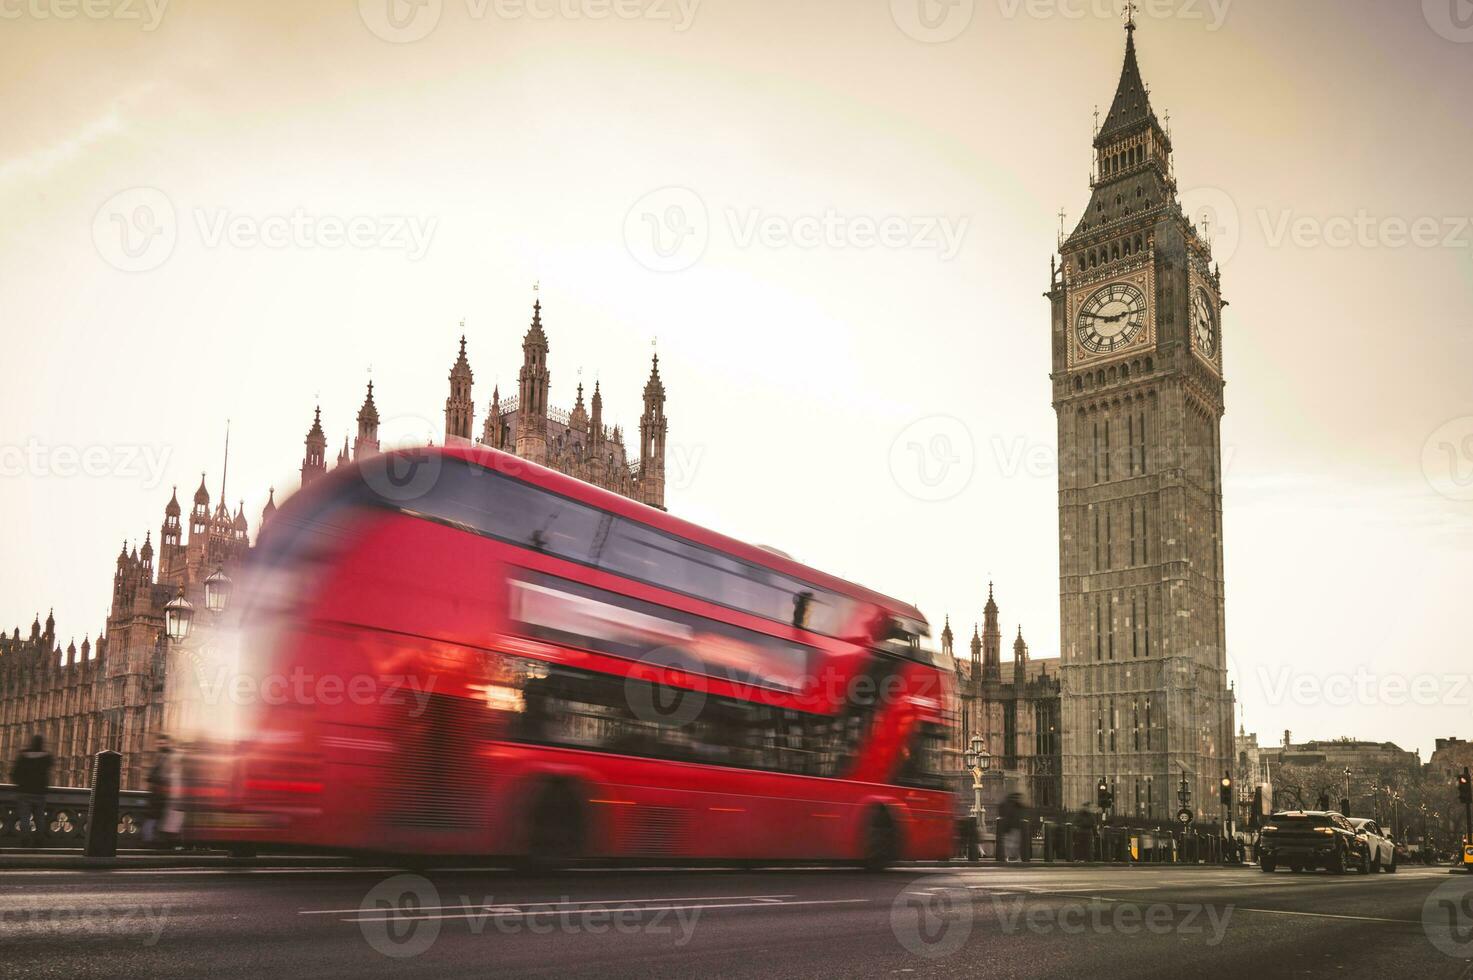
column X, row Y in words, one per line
column 881, row 841
column 554, row 829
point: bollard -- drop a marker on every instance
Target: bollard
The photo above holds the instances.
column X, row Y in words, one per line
column 102, row 810
column 1048, row 842
column 1025, row 852
column 1069, row 842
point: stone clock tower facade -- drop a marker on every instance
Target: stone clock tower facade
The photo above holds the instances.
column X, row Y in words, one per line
column 1138, row 389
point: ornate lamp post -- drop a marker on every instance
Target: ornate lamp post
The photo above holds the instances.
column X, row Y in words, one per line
column 217, row 591
column 978, row 761
column 178, row 617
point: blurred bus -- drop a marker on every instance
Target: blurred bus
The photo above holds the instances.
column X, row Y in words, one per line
column 454, row 651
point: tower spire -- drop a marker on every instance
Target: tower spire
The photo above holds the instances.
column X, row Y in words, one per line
column 225, row 468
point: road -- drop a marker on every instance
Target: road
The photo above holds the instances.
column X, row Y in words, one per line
column 358, row 921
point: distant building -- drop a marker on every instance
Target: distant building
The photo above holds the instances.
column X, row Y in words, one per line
column 1016, row 712
column 1449, row 756
column 1359, row 756
column 1252, row 770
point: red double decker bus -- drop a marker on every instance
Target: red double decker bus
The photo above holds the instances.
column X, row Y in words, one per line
column 453, row 651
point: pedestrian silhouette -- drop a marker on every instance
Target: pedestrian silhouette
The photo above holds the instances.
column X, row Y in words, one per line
column 31, row 774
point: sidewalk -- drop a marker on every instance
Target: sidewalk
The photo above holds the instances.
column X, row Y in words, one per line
column 72, row 858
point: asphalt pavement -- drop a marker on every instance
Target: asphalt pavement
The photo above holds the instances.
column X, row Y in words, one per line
column 342, row 919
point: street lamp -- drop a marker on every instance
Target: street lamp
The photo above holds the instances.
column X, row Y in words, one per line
column 217, row 591
column 978, row 761
column 178, row 617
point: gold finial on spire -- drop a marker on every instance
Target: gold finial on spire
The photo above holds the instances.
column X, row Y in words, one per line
column 1129, row 14
column 1062, row 216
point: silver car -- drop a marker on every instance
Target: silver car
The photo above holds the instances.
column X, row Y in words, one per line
column 1382, row 850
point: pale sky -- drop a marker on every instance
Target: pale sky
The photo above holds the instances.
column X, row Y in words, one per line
column 868, row 192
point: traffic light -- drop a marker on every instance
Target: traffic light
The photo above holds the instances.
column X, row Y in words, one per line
column 1225, row 790
column 1103, row 796
column 1465, row 787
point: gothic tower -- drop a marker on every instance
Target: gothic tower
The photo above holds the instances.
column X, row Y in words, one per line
column 314, row 462
column 652, row 427
column 532, row 394
column 367, row 442
column 1020, row 664
column 976, row 657
column 596, row 420
column 459, row 409
column 171, row 546
column 1138, row 390
column 991, row 640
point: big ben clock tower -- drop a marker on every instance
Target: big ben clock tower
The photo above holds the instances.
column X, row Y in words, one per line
column 1138, row 388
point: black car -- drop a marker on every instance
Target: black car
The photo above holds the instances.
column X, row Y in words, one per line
column 1302, row 840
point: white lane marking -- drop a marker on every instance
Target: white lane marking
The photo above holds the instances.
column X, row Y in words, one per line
column 409, row 917
column 559, row 903
column 1327, row 915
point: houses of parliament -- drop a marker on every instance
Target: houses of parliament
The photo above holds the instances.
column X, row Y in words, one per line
column 120, row 692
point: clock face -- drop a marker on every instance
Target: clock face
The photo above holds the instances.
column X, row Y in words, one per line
column 1112, row 318
column 1204, row 323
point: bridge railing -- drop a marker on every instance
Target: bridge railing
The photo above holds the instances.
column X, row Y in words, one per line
column 66, row 818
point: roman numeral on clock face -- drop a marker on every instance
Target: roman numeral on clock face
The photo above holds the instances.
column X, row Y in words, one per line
column 1111, row 319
